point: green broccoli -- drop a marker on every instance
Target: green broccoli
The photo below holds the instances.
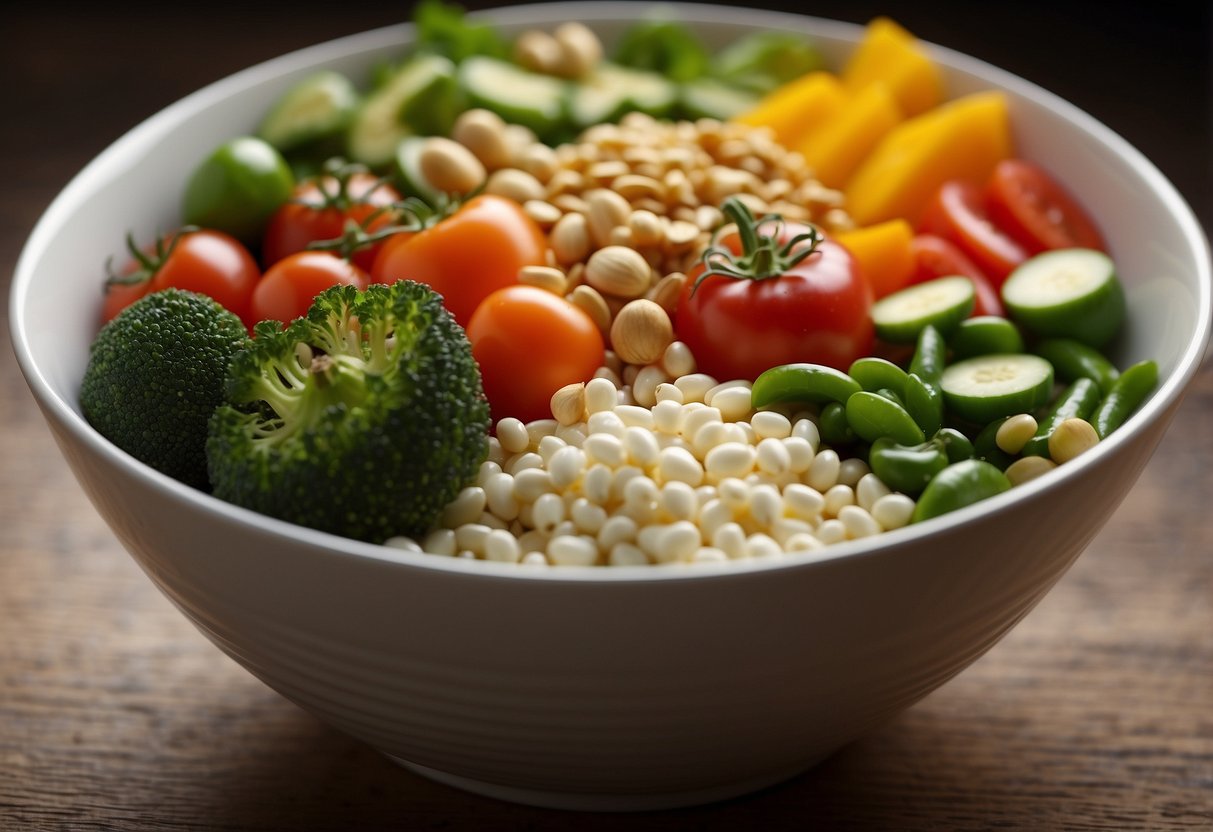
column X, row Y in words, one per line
column 364, row 418
column 155, row 374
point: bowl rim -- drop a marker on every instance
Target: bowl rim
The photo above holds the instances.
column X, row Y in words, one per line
column 65, row 416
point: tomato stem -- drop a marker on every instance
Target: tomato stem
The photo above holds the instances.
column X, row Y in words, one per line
column 762, row 255
column 149, row 264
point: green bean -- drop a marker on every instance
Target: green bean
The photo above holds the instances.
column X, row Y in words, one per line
column 904, row 468
column 955, row 443
column 960, row 484
column 872, row 416
column 1126, row 395
column 1078, row 401
column 874, row 373
column 1073, row 360
column 985, row 446
column 924, row 403
column 930, row 356
column 802, row 383
column 833, row 425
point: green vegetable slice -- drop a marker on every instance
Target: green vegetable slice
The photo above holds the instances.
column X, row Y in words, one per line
column 710, row 98
column 802, row 383
column 983, row 335
column 989, row 387
column 517, row 95
column 381, row 123
column 873, row 416
column 942, row 303
column 321, row 105
column 960, row 484
column 1071, row 293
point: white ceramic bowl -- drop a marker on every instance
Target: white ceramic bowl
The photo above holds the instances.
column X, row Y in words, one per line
column 603, row 688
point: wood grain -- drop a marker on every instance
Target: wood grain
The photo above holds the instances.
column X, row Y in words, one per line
column 1095, row 713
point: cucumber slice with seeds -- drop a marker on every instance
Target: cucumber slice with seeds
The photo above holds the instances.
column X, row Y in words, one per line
column 517, row 95
column 319, row 106
column 612, row 90
column 1072, row 293
column 989, row 387
column 943, row 303
column 380, row 125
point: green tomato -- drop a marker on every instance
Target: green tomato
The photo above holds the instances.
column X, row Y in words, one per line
column 238, row 187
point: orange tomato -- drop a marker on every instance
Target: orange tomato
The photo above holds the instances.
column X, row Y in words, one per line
column 529, row 343
column 466, row 256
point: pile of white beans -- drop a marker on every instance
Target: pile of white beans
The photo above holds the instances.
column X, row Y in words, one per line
column 697, row 477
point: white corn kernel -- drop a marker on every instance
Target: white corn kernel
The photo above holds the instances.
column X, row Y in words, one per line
column 471, row 536
column 852, row 470
column 786, row 528
column 771, row 425
column 499, row 494
column 709, row 554
column 534, row 558
column 634, row 416
column 678, row 542
column 766, row 504
column 730, row 459
column 567, row 466
column 1070, row 438
column 539, row 429
column 644, row 388
column 605, row 448
column 831, row 531
column 600, row 395
column 800, row 454
column 695, row 417
column 1015, row 432
column 616, row 529
column 440, row 542
column 496, row 453
column 605, row 422
column 869, row 489
column 803, row 501
column 530, row 483
column 733, row 403
column 548, row 446
column 547, row 513
column 677, row 360
column 823, row 472
column 807, row 429
column 512, row 435
column 596, row 484
column 893, row 511
column 760, row 545
column 679, row 501
column 713, row 515
column 627, row 554
column 572, row 550
column 730, row 539
column 734, row 492
column 487, row 469
column 773, row 457
column 668, row 392
column 501, row 546
column 722, row 386
column 517, row 463
column 802, row 543
column 858, row 522
column 465, row 508
column 405, row 544
column 837, row 497
column 694, row 386
column 572, row 434
column 587, row 516
column 675, row 463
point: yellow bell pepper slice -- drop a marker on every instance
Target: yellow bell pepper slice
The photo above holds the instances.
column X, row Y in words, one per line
column 797, row 107
column 889, row 54
column 884, row 253
column 962, row 139
column 838, row 147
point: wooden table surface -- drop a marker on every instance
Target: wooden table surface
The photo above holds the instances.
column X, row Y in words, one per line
column 1095, row 713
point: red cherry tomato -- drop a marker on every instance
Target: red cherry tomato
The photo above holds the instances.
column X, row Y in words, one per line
column 816, row 310
column 529, row 343
column 957, row 213
column 198, row 260
column 1031, row 206
column 466, row 256
column 319, row 210
column 936, row 257
column 290, row 285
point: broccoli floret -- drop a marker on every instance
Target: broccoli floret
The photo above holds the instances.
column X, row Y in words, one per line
column 156, row 373
column 363, row 419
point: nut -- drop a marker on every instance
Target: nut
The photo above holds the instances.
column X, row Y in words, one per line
column 538, row 51
column 667, row 291
column 543, row 277
column 619, row 271
column 641, row 332
column 580, row 49
column 483, row 132
column 449, row 166
column 570, row 239
column 568, row 404
column 607, row 211
column 593, row 304
column 514, row 184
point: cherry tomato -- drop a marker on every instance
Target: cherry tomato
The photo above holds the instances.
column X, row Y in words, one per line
column 957, row 213
column 466, row 256
column 936, row 257
column 530, row 343
column 198, row 260
column 1031, row 206
column 287, row 290
column 816, row 310
column 319, row 210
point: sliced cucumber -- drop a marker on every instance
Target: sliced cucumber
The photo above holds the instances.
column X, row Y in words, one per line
column 612, row 90
column 709, row 98
column 379, row 125
column 1072, row 292
column 943, row 303
column 318, row 107
column 517, row 95
column 408, row 171
column 989, row 387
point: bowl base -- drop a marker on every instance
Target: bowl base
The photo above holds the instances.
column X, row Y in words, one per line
column 596, row 802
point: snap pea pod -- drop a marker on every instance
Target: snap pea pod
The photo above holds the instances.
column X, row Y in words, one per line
column 924, row 403
column 1125, row 396
column 930, row 355
column 907, row 468
column 955, row 443
column 1078, row 401
column 874, row 373
column 960, row 484
column 872, row 416
column 1073, row 360
column 802, row 383
column 833, row 425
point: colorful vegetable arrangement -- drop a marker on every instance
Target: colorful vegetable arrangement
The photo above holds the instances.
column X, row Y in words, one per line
column 719, row 305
